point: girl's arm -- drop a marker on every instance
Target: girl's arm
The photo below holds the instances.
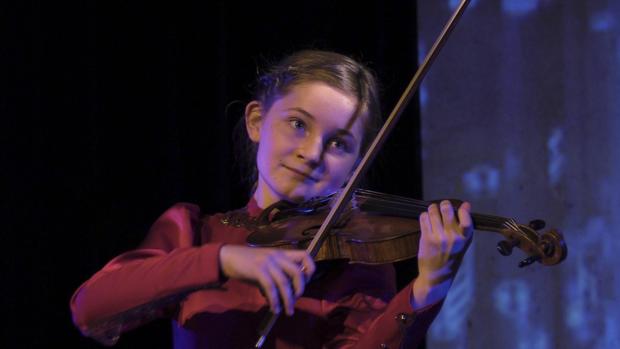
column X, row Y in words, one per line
column 148, row 282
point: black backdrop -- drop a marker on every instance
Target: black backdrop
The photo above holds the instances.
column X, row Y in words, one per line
column 113, row 111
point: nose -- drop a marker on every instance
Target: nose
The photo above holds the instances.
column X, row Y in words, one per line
column 311, row 151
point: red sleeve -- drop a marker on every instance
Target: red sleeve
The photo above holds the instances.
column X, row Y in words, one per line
column 398, row 323
column 145, row 283
column 371, row 322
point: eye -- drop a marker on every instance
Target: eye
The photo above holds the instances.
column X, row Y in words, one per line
column 339, row 144
column 297, row 124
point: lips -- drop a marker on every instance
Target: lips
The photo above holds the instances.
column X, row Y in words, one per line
column 301, row 173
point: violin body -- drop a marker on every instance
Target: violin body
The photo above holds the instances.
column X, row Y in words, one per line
column 360, row 237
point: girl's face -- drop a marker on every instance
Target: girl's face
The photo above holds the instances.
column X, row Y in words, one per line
column 308, row 143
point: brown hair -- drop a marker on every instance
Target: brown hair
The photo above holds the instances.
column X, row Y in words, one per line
column 336, row 70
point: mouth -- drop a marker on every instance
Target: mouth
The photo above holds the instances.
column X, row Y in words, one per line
column 301, row 173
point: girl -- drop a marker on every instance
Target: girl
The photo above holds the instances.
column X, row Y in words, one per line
column 311, row 119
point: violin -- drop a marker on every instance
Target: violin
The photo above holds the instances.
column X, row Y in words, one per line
column 378, row 228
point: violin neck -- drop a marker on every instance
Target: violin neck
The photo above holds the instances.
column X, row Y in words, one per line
column 400, row 206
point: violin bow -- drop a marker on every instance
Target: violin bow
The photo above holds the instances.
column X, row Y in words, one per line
column 344, row 196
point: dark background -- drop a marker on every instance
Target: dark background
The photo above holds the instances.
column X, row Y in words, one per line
column 113, row 111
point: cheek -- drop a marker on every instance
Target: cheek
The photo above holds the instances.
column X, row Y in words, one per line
column 265, row 145
column 271, row 149
column 341, row 168
column 273, row 139
column 264, row 156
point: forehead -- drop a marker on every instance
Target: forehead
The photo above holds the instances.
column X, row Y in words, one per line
column 330, row 107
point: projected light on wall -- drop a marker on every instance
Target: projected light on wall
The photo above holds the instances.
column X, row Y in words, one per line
column 556, row 158
column 423, row 90
column 519, row 7
column 513, row 300
column 602, row 21
column 526, row 126
column 481, row 181
column 452, row 325
column 513, row 167
column 591, row 312
column 453, row 3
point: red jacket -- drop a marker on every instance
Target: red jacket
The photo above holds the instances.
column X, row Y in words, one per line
column 172, row 274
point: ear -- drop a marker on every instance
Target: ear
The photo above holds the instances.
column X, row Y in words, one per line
column 253, row 120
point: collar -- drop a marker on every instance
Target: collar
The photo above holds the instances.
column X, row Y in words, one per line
column 252, row 208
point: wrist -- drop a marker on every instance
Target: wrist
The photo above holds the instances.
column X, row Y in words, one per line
column 221, row 263
column 425, row 293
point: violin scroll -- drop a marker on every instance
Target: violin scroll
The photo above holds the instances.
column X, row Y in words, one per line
column 548, row 248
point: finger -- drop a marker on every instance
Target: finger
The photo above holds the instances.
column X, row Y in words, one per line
column 294, row 273
column 304, row 261
column 283, row 285
column 465, row 220
column 447, row 213
column 425, row 227
column 436, row 222
column 425, row 223
column 269, row 290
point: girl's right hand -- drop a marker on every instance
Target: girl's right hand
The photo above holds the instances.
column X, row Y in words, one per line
column 281, row 274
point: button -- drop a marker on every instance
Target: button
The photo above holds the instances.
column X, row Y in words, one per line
column 402, row 317
column 384, row 346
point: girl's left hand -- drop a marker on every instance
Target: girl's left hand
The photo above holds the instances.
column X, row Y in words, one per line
column 443, row 242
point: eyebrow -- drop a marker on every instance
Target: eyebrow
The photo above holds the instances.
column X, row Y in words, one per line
column 340, row 131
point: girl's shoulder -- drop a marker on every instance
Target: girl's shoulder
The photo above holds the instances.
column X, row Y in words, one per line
column 176, row 227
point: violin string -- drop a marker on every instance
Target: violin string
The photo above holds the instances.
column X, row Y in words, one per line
column 391, row 202
column 394, row 199
column 423, row 205
column 407, row 205
column 512, row 225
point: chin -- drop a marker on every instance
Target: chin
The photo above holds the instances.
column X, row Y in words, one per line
column 301, row 194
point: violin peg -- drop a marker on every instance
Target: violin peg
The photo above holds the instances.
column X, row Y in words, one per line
column 537, row 224
column 529, row 260
column 505, row 247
